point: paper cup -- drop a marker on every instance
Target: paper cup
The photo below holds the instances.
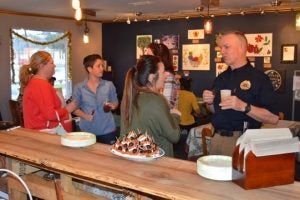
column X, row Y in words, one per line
column 225, row 93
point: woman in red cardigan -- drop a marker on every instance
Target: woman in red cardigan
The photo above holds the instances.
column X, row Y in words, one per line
column 40, row 101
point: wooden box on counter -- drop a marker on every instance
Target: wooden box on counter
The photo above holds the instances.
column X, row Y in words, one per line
column 265, row 171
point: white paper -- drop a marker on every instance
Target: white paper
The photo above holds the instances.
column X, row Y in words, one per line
column 296, row 83
column 264, row 142
column 263, row 134
column 275, row 147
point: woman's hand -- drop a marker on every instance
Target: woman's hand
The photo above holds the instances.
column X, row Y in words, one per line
column 175, row 111
column 71, row 106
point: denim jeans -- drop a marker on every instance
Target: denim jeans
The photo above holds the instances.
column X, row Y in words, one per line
column 109, row 138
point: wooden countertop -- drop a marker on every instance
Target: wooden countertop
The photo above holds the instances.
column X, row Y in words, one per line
column 164, row 177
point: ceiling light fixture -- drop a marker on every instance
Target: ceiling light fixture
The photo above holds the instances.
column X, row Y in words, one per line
column 128, row 21
column 169, row 18
column 262, row 11
column 298, row 22
column 208, row 24
column 242, row 12
column 78, row 14
column 276, row 3
column 75, row 4
column 187, row 17
column 86, row 31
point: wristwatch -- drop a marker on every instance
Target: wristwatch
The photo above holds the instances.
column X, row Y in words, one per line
column 247, row 108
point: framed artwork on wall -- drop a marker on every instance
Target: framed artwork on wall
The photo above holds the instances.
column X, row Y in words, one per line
column 277, row 77
column 175, row 62
column 259, row 44
column 141, row 42
column 195, row 56
column 220, row 67
column 171, row 41
column 196, row 34
column 288, row 54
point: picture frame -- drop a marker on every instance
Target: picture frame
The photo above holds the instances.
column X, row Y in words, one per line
column 141, row 43
column 196, row 57
column 288, row 54
column 171, row 41
column 259, row 44
column 220, row 68
column 277, row 78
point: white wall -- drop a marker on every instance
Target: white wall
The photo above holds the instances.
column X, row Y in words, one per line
column 78, row 48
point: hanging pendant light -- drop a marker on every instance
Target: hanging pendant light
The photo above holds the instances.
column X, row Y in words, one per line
column 86, row 31
column 208, row 24
column 75, row 4
column 78, row 14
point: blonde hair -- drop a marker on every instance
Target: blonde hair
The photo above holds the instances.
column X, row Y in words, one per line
column 29, row 70
column 240, row 36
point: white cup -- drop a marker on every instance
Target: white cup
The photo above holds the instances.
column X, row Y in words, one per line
column 225, row 93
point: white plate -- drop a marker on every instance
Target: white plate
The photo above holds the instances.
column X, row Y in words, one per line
column 215, row 167
column 139, row 158
column 78, row 139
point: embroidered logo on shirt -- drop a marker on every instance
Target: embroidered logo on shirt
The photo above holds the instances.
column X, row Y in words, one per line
column 245, row 85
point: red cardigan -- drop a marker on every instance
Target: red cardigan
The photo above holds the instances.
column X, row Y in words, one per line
column 39, row 105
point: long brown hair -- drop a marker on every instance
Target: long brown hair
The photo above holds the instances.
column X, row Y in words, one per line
column 136, row 81
column 29, row 70
column 162, row 51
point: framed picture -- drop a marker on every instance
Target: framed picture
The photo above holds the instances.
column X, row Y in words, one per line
column 277, row 78
column 288, row 54
column 175, row 62
column 259, row 44
column 267, row 59
column 196, row 34
column 220, row 68
column 141, row 43
column 195, row 57
column 171, row 41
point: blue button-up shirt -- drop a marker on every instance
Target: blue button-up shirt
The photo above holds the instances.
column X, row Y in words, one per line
column 90, row 102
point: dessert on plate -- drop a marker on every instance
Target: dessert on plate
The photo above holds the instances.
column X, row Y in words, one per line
column 134, row 144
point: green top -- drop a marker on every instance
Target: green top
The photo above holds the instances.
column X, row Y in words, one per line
column 155, row 118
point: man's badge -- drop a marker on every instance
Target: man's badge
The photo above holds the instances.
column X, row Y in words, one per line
column 245, row 85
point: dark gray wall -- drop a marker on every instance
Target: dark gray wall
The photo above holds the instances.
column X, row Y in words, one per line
column 119, row 46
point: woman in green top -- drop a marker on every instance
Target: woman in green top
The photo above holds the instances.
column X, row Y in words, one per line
column 144, row 109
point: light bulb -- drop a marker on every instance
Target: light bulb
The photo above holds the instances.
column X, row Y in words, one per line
column 128, row 21
column 78, row 14
column 86, row 38
column 208, row 26
column 76, row 4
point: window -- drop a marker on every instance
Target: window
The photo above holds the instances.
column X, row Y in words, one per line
column 26, row 42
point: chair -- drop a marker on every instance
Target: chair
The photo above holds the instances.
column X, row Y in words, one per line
column 281, row 115
column 206, row 132
column 16, row 113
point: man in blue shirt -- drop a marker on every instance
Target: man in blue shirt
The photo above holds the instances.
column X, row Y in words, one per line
column 252, row 101
column 96, row 98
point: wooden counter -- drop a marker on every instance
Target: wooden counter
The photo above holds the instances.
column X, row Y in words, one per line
column 164, row 177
